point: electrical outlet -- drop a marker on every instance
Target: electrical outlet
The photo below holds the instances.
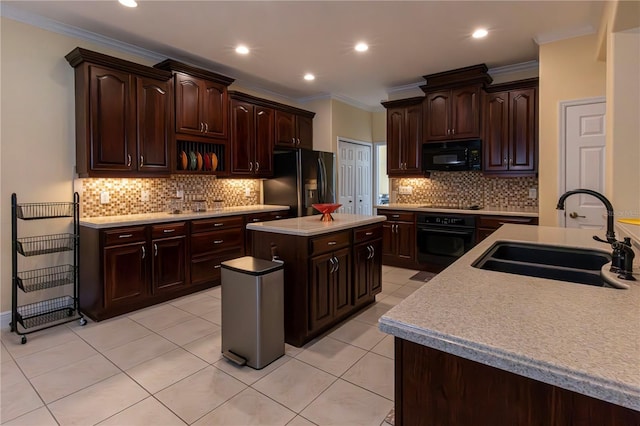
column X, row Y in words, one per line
column 144, row 195
column 104, row 197
column 180, row 193
column 247, row 192
column 405, row 190
column 533, row 193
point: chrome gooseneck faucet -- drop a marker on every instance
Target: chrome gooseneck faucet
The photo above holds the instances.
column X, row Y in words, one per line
column 623, row 255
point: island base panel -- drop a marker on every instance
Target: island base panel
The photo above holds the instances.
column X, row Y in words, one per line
column 436, row 388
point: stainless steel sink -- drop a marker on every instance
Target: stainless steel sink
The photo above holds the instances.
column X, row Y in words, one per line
column 574, row 265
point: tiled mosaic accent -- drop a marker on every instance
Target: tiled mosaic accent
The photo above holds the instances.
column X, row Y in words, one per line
column 466, row 189
column 125, row 194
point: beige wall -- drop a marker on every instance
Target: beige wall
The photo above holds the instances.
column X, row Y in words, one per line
column 568, row 70
column 379, row 129
column 322, row 124
column 349, row 122
column 623, row 122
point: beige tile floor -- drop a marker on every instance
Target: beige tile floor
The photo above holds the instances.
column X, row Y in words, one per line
column 162, row 366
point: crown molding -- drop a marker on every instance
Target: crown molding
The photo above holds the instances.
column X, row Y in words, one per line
column 565, row 34
column 405, row 87
column 68, row 30
column 507, row 69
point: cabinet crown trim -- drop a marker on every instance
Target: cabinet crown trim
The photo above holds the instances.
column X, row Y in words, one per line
column 269, row 104
column 474, row 74
column 403, row 102
column 513, row 85
column 175, row 66
column 79, row 55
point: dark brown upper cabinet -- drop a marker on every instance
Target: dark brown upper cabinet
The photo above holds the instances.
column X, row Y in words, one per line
column 252, row 137
column 123, row 114
column 452, row 103
column 201, row 102
column 404, row 137
column 294, row 129
column 510, row 137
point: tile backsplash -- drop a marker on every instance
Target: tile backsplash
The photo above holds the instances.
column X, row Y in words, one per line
column 466, row 189
column 125, row 194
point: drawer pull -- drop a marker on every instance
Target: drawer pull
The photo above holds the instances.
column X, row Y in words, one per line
column 167, row 231
column 278, row 217
column 255, row 219
column 395, row 215
column 218, row 241
column 368, row 234
column 125, row 236
column 218, row 224
column 332, row 243
column 217, row 266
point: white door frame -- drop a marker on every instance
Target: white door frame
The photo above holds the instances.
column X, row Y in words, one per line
column 562, row 146
column 356, row 142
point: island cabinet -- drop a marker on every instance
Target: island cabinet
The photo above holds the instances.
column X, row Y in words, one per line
column 322, row 276
column 294, row 128
column 212, row 242
column 404, row 137
column 123, row 116
column 437, row 388
column 367, row 258
column 399, row 239
column 252, row 137
column 201, row 102
column 510, row 128
column 487, row 225
column 257, row 218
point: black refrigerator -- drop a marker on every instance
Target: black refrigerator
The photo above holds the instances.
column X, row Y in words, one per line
column 301, row 178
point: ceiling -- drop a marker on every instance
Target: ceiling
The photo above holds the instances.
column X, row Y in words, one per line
column 408, row 39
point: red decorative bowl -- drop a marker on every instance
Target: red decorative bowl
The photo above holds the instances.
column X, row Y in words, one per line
column 326, row 210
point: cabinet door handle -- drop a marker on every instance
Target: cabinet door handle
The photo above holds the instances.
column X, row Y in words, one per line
column 155, row 249
column 504, row 161
column 257, row 166
column 332, row 243
column 167, row 231
column 201, row 127
column 373, row 251
column 369, row 250
column 368, row 234
column 448, row 131
column 298, row 141
column 511, row 161
column 206, row 127
column 125, row 235
column 293, row 140
column 332, row 269
column 128, row 160
column 218, row 241
column 453, row 131
column 142, row 160
column 218, row 224
column 337, row 263
column 250, row 166
column 144, row 252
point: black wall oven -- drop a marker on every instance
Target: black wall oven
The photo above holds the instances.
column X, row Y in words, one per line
column 442, row 238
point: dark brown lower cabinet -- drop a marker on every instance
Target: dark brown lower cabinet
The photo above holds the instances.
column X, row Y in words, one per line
column 169, row 258
column 320, row 276
column 436, row 388
column 367, row 277
column 125, row 274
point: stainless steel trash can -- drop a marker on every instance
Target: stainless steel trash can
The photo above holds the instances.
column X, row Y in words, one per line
column 252, row 311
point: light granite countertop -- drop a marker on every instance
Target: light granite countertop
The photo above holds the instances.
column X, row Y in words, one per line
column 485, row 210
column 578, row 337
column 147, row 218
column 312, row 225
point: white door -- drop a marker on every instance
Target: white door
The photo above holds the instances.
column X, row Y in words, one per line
column 346, row 177
column 585, row 164
column 355, row 179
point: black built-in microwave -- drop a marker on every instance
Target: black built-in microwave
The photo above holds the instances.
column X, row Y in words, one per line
column 452, row 156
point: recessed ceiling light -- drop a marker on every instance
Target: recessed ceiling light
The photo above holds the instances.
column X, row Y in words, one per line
column 480, row 33
column 242, row 49
column 309, row 77
column 362, row 47
column 128, row 3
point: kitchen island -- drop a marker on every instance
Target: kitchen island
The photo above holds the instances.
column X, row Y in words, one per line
column 331, row 269
column 481, row 347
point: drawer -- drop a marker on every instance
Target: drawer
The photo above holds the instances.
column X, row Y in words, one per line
column 367, row 233
column 216, row 241
column 206, row 269
column 263, row 217
column 124, row 235
column 330, row 242
column 217, row 223
column 399, row 216
column 168, row 230
column 497, row 221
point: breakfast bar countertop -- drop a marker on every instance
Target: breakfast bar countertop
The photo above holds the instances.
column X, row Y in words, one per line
column 312, row 225
column 160, row 217
column 578, row 337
